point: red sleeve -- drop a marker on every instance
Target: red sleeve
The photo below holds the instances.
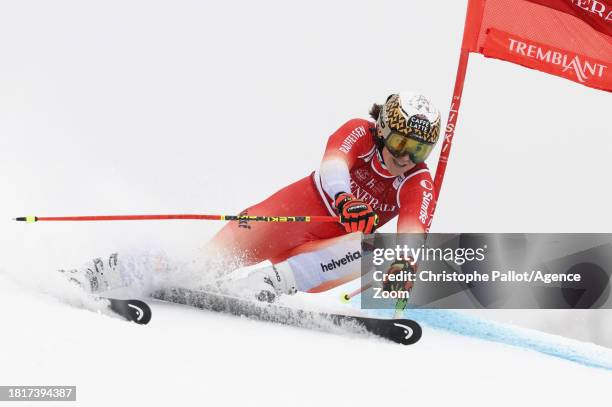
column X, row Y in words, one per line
column 416, row 200
column 352, row 140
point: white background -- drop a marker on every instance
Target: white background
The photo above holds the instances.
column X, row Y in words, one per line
column 123, row 107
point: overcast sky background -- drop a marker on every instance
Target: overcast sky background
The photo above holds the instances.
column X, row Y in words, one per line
column 199, row 106
column 123, row 107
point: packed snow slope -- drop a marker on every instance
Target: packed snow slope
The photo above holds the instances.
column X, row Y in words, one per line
column 188, row 106
column 186, row 356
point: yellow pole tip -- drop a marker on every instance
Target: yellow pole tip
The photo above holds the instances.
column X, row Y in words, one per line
column 345, row 298
column 30, row 219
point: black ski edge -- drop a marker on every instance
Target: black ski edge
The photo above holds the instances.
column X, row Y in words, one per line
column 132, row 310
column 402, row 331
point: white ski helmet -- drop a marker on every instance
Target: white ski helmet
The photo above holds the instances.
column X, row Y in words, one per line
column 409, row 124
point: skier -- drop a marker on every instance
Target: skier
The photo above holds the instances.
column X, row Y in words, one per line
column 371, row 171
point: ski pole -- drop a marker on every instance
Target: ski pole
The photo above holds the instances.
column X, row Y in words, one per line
column 249, row 218
column 347, row 296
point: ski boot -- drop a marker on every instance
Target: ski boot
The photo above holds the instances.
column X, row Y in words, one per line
column 95, row 277
column 265, row 284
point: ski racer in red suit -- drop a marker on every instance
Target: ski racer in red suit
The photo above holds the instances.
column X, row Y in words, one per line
column 371, row 172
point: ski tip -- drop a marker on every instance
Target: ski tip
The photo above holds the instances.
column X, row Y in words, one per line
column 405, row 331
column 141, row 312
column 345, row 298
column 133, row 310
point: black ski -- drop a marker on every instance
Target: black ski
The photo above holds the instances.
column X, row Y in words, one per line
column 403, row 331
column 133, row 310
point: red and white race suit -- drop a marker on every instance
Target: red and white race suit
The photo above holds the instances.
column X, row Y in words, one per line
column 351, row 163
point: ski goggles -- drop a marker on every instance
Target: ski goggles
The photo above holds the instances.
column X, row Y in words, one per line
column 400, row 145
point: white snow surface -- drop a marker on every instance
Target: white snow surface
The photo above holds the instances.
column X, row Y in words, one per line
column 133, row 106
column 186, row 357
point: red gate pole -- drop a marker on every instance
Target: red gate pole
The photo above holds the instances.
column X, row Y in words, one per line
column 451, row 124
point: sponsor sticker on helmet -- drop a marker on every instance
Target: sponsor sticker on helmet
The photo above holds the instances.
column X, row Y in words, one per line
column 420, row 123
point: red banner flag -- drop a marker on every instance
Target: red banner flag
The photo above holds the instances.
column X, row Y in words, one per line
column 567, row 38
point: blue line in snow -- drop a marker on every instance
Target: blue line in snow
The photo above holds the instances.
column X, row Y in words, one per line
column 576, row 351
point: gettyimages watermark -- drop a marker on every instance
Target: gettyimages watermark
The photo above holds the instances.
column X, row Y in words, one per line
column 460, row 271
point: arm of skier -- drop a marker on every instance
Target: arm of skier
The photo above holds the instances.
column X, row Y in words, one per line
column 344, row 148
column 415, row 199
column 416, row 202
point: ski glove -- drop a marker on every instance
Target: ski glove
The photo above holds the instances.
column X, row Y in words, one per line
column 355, row 215
column 396, row 269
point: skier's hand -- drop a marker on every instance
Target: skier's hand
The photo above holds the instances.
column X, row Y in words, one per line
column 395, row 270
column 355, row 215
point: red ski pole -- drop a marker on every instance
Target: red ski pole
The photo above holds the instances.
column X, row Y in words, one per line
column 251, row 218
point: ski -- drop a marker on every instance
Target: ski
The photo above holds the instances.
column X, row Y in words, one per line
column 402, row 331
column 132, row 310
